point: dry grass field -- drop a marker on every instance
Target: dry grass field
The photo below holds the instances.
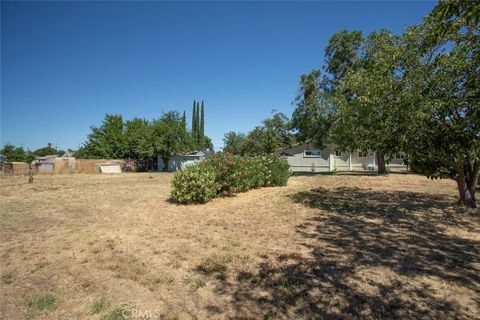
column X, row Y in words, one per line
column 324, row 247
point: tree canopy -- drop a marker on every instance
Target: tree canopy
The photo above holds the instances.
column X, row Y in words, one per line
column 12, row 153
column 48, row 150
column 444, row 80
column 141, row 139
column 235, row 143
column 169, row 137
column 273, row 134
column 369, row 107
column 416, row 93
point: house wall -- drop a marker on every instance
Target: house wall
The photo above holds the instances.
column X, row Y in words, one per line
column 177, row 162
column 342, row 163
column 397, row 165
column 299, row 163
column 361, row 163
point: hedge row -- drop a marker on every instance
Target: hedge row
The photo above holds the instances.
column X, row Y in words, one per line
column 224, row 175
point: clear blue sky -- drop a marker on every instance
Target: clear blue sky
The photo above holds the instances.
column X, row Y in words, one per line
column 65, row 64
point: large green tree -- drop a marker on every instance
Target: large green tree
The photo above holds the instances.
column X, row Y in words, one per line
column 444, row 83
column 235, row 143
column 315, row 112
column 12, row 153
column 106, row 141
column 137, row 142
column 312, row 117
column 194, row 121
column 184, row 120
column 169, row 137
column 273, row 134
column 48, row 150
column 342, row 55
column 370, row 109
column 197, row 128
column 202, row 127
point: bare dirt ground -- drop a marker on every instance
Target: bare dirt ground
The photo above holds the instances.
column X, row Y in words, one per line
column 324, row 247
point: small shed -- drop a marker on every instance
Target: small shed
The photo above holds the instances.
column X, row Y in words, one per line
column 180, row 161
column 45, row 164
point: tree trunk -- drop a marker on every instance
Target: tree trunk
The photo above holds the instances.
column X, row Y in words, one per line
column 154, row 164
column 381, row 163
column 467, row 179
column 474, row 173
column 30, row 174
column 165, row 164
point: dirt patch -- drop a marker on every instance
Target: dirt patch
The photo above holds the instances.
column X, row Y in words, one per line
column 325, row 246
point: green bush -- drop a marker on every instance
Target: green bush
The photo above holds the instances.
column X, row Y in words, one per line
column 276, row 170
column 194, row 184
column 224, row 175
column 227, row 176
column 252, row 173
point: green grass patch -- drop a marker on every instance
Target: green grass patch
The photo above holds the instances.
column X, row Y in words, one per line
column 100, row 305
column 43, row 302
column 117, row 313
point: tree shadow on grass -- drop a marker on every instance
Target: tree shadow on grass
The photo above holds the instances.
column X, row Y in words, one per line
column 370, row 255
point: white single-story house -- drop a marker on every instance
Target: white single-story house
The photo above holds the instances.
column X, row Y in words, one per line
column 180, row 161
column 305, row 157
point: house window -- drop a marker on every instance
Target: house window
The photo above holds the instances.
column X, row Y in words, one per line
column 338, row 153
column 312, row 154
column 362, row 154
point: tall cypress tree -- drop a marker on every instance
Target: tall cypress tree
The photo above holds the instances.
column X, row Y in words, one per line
column 194, row 122
column 184, row 120
column 202, row 126
column 197, row 119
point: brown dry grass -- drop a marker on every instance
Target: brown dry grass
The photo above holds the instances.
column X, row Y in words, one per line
column 328, row 246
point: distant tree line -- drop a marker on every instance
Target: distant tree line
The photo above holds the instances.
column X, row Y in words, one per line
column 137, row 139
column 19, row 154
column 273, row 133
column 141, row 139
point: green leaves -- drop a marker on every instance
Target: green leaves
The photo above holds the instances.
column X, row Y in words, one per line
column 274, row 133
column 13, row 153
column 106, row 141
column 235, row 143
column 224, row 175
column 169, row 136
column 369, row 105
column 445, row 74
column 139, row 138
column 313, row 116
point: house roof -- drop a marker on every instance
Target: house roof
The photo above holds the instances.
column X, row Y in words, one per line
column 196, row 154
column 51, row 156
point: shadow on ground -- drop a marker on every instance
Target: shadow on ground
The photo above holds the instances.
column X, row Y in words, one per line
column 368, row 255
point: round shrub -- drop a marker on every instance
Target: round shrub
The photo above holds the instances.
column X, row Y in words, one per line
column 194, row 184
column 224, row 174
column 227, row 169
column 276, row 170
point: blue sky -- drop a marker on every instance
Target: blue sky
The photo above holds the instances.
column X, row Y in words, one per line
column 65, row 64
